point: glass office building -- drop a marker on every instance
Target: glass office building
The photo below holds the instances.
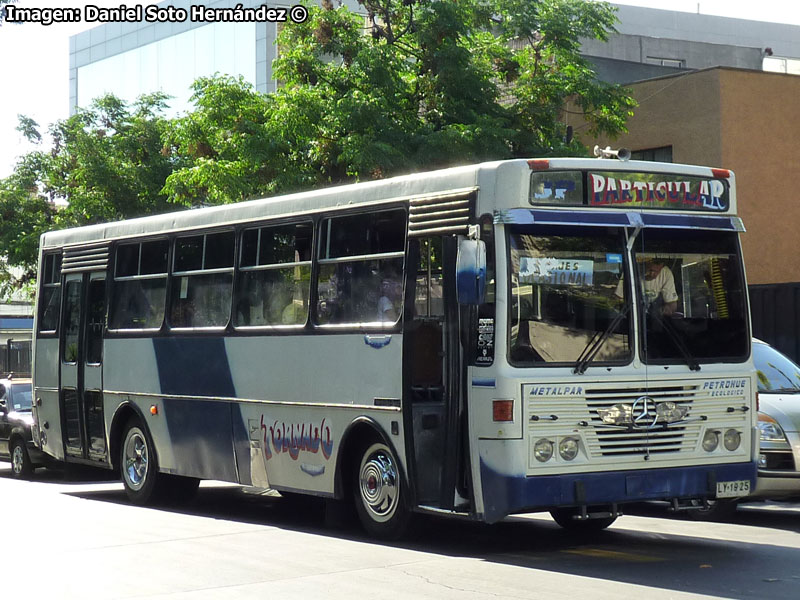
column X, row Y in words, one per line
column 130, row 59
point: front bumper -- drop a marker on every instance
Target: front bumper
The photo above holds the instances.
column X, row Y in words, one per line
column 505, row 494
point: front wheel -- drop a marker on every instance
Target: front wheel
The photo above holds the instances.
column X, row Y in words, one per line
column 21, row 466
column 565, row 517
column 379, row 493
column 139, row 465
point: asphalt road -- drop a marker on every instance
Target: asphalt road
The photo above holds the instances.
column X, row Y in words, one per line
column 79, row 538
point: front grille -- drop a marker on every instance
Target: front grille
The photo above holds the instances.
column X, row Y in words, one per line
column 658, row 440
column 779, row 461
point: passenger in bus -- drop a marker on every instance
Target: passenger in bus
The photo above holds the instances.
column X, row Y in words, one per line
column 659, row 287
column 391, row 292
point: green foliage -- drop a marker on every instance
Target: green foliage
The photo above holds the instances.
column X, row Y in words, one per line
column 106, row 163
column 417, row 85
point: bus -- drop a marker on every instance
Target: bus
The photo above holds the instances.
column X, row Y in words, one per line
column 474, row 342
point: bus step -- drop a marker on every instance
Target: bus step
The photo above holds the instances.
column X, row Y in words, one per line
column 596, row 512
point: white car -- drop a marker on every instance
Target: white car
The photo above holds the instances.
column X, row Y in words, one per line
column 779, row 423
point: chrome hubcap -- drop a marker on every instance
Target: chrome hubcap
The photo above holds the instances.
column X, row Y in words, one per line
column 135, row 459
column 17, row 460
column 379, row 485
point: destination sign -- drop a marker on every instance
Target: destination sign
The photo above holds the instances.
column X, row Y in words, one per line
column 653, row 191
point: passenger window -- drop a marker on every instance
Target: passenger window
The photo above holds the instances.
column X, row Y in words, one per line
column 140, row 285
column 50, row 302
column 202, row 283
column 361, row 268
column 274, row 276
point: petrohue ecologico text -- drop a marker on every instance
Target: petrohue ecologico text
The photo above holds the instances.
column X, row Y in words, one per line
column 152, row 14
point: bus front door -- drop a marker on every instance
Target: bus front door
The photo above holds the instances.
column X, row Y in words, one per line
column 81, row 359
column 433, row 375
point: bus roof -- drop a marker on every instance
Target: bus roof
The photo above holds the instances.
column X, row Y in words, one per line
column 505, row 178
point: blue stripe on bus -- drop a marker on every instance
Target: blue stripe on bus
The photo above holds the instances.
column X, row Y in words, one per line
column 488, row 382
column 688, row 221
column 194, row 366
column 507, row 494
column 202, row 432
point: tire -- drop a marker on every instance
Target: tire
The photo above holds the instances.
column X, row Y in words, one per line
column 565, row 518
column 138, row 465
column 718, row 511
column 21, row 466
column 379, row 493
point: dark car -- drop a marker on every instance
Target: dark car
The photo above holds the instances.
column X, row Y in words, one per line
column 16, row 441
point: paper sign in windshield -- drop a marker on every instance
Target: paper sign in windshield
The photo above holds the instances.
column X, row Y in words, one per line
column 555, row 271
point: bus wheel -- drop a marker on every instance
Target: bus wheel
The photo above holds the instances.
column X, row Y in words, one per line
column 379, row 494
column 21, row 466
column 138, row 464
column 564, row 517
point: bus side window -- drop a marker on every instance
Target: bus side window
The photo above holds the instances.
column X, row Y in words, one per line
column 140, row 285
column 50, row 293
column 274, row 275
column 202, row 288
column 361, row 266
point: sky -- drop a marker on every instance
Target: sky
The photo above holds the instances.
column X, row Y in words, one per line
column 34, row 76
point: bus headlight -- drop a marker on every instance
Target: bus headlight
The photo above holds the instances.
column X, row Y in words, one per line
column 568, row 448
column 543, row 450
column 732, row 440
column 710, row 440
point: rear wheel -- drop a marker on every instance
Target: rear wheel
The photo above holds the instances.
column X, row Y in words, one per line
column 565, row 517
column 379, row 493
column 21, row 466
column 139, row 465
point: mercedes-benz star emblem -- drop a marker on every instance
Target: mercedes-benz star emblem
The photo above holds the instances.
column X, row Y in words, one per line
column 642, row 417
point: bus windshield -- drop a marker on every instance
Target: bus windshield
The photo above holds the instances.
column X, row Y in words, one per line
column 692, row 294
column 563, row 302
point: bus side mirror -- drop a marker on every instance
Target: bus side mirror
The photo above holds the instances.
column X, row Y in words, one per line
column 471, row 272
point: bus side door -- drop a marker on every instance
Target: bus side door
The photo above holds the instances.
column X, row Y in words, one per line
column 81, row 360
column 433, row 374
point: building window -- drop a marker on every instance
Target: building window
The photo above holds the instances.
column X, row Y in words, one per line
column 662, row 154
column 675, row 63
column 779, row 64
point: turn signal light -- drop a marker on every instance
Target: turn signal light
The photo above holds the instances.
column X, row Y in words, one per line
column 154, row 409
column 502, row 410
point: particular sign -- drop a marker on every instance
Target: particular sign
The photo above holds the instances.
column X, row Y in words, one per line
column 619, row 189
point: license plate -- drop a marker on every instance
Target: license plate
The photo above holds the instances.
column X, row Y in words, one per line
column 733, row 489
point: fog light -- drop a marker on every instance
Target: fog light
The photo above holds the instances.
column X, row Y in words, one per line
column 568, row 448
column 543, row 450
column 762, row 461
column 732, row 440
column 710, row 440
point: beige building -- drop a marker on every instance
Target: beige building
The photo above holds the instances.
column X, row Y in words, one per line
column 743, row 120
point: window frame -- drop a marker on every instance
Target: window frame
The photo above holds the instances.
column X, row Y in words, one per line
column 112, row 289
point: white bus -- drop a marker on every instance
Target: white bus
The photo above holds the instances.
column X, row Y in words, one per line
column 563, row 335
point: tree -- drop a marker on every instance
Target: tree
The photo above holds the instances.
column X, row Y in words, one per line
column 106, row 163
column 429, row 83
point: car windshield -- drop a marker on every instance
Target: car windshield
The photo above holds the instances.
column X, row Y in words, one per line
column 564, row 308
column 776, row 372
column 20, row 396
column 692, row 296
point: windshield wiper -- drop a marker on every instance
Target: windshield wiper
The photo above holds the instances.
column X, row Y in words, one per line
column 786, row 390
column 690, row 360
column 597, row 341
